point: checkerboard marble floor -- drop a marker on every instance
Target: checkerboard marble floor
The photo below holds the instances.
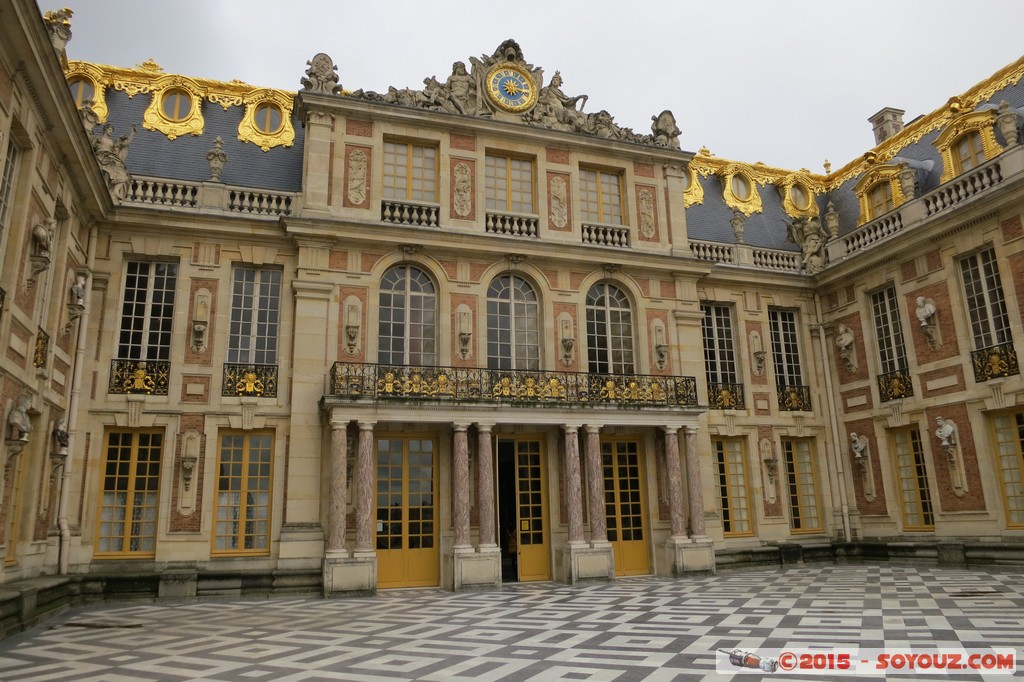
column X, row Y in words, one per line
column 633, row 629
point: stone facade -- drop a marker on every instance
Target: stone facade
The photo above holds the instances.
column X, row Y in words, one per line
column 433, row 338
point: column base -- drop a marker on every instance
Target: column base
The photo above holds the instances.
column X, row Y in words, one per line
column 583, row 563
column 476, row 570
column 691, row 556
column 349, row 576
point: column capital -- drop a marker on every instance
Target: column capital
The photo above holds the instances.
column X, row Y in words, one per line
column 367, row 425
column 571, row 427
column 592, row 428
column 691, row 429
column 673, row 427
column 339, row 425
column 484, row 427
column 459, row 427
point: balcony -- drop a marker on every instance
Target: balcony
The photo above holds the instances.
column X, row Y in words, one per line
column 895, row 385
column 994, row 362
column 606, row 235
column 511, row 225
column 405, row 213
column 725, row 396
column 146, row 377
column 795, row 398
column 249, row 380
column 358, row 381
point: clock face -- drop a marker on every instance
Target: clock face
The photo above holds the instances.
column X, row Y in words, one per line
column 511, row 88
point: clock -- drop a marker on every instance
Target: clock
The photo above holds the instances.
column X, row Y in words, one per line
column 511, row 88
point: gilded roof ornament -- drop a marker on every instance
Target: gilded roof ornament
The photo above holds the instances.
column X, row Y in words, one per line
column 151, row 65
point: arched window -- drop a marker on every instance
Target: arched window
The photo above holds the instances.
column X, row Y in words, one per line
column 407, row 331
column 609, row 330
column 968, row 152
column 513, row 337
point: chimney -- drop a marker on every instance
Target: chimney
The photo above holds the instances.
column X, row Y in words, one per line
column 886, row 123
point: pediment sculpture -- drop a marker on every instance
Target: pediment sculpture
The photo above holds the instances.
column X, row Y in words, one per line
column 503, row 84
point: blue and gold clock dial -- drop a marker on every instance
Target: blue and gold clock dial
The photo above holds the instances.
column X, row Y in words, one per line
column 511, row 88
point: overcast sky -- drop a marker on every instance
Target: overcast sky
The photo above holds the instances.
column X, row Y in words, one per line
column 788, row 82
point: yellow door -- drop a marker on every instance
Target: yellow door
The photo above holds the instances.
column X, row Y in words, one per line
column 407, row 546
column 534, row 558
column 624, row 507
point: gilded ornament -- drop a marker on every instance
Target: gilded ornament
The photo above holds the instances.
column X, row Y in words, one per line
column 250, row 130
column 98, row 79
column 510, row 87
column 977, row 121
column 175, row 91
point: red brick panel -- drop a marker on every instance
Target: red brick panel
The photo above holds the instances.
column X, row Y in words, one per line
column 973, row 499
column 876, row 507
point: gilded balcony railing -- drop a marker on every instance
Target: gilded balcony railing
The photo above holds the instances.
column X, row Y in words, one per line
column 148, row 377
column 795, row 398
column 250, row 380
column 894, row 385
column 373, row 381
column 724, row 396
column 994, row 362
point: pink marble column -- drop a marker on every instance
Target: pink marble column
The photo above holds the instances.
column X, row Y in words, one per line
column 338, row 490
column 364, row 489
column 595, row 487
column 485, row 485
column 693, row 489
column 677, row 511
column 573, row 486
column 460, row 495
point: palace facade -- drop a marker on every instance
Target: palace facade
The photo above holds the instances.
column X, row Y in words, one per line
column 336, row 341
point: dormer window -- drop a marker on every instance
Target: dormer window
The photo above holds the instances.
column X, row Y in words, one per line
column 268, row 118
column 967, row 142
column 176, row 105
column 880, row 199
column 968, row 152
column 82, row 91
column 740, row 187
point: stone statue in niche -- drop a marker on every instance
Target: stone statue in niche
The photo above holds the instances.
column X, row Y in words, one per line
column 111, row 155
column 321, row 76
column 217, row 157
column 859, row 447
column 78, row 290
column 42, row 238
column 945, row 431
column 844, row 342
column 925, row 311
column 666, row 133
column 60, row 433
column 18, row 423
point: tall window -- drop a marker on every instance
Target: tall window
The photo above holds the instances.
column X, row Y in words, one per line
column 82, row 91
column 131, row 482
column 609, row 330
column 880, row 199
column 10, row 171
column 733, row 491
column 785, row 351
column 513, row 336
column 1009, row 438
column 255, row 316
column 719, row 356
column 892, row 353
column 990, row 325
column 968, row 152
column 147, row 312
column 601, row 197
column 802, row 486
column 408, row 317
column 509, row 184
column 410, row 172
column 243, row 493
column 912, row 479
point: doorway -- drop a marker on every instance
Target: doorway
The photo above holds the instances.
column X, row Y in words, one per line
column 522, row 520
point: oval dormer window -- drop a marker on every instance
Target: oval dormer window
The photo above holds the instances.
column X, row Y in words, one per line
column 176, row 105
column 740, row 187
column 82, row 91
column 800, row 197
column 268, row 118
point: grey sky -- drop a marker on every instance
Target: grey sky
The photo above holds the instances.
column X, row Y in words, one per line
column 789, row 82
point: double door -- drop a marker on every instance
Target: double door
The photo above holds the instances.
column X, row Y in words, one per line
column 523, row 528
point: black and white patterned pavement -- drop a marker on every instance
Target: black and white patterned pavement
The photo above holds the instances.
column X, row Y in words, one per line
column 634, row 629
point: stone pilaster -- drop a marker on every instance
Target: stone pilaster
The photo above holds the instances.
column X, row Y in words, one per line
column 338, row 491
column 485, row 486
column 677, row 512
column 460, row 495
column 595, row 487
column 573, row 486
column 693, row 488
column 364, row 491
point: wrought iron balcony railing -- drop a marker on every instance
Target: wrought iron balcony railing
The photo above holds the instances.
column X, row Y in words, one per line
column 250, row 380
column 365, row 380
column 795, row 398
column 895, row 385
column 149, row 377
column 723, row 396
column 994, row 362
